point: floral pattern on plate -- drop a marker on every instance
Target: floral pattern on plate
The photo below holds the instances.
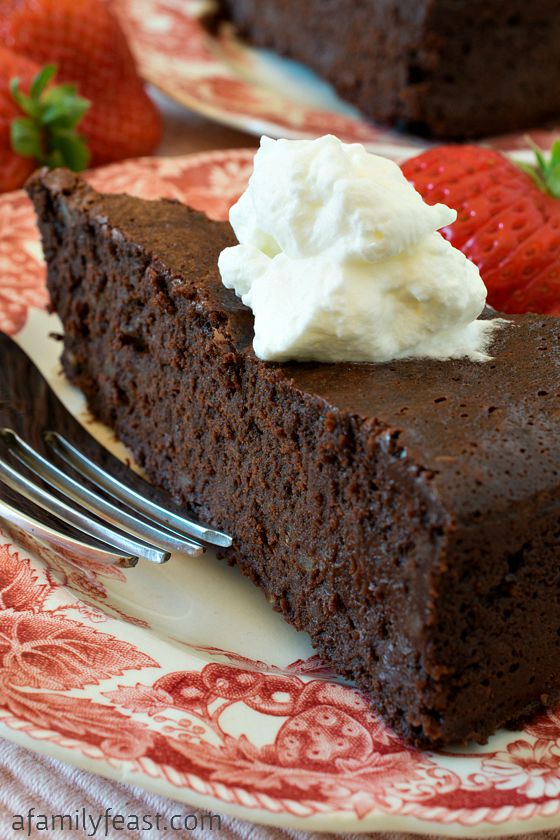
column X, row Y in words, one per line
column 152, row 674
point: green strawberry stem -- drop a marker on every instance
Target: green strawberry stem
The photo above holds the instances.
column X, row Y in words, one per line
column 546, row 173
column 47, row 132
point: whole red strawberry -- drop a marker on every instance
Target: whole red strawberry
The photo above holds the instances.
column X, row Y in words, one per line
column 508, row 220
column 85, row 40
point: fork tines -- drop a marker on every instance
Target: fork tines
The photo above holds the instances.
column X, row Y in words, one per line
column 109, row 533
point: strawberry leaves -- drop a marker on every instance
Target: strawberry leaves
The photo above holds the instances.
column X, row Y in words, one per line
column 47, row 133
column 546, row 174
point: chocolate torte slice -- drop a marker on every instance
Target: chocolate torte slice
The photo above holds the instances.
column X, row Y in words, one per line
column 406, row 515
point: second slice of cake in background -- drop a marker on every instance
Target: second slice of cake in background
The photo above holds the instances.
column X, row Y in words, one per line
column 442, row 68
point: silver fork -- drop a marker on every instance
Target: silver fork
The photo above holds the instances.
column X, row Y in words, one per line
column 61, row 489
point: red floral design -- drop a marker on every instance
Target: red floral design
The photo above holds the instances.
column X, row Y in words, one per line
column 215, row 189
column 136, row 177
column 87, row 579
column 312, row 667
column 236, row 96
column 529, row 769
column 210, row 181
column 43, row 650
column 19, row 582
column 327, row 735
column 21, row 278
column 148, row 23
column 326, row 751
column 546, row 726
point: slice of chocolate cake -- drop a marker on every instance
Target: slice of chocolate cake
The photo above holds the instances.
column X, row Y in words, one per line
column 407, row 515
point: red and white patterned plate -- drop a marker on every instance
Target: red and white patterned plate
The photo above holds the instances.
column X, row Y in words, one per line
column 181, row 679
column 253, row 90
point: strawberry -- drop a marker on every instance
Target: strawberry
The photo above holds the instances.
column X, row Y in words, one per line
column 508, row 219
column 37, row 126
column 85, row 40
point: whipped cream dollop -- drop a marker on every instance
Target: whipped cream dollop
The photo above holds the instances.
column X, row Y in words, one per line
column 340, row 260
